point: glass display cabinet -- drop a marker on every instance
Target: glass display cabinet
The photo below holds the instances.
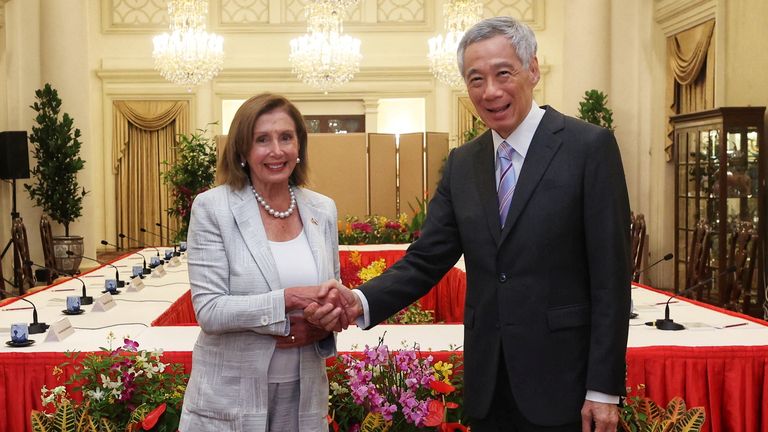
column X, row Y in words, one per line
column 720, row 179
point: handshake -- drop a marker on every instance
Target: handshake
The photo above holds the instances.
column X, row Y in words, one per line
column 330, row 305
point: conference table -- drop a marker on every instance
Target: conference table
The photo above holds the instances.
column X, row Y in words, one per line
column 720, row 361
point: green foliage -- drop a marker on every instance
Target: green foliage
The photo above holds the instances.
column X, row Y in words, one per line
column 641, row 414
column 193, row 172
column 478, row 127
column 413, row 314
column 419, row 216
column 120, row 389
column 594, row 109
column 56, row 149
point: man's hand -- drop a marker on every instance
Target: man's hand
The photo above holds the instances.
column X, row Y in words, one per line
column 604, row 416
column 332, row 315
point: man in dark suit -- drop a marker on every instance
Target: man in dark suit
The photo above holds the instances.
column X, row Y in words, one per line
column 538, row 206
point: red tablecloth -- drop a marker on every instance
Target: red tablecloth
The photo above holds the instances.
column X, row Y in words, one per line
column 446, row 299
column 731, row 383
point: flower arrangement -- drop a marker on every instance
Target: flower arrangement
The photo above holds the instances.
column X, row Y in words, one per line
column 353, row 273
column 400, row 390
column 641, row 414
column 374, row 230
column 125, row 389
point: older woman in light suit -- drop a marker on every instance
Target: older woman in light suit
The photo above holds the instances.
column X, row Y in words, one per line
column 258, row 247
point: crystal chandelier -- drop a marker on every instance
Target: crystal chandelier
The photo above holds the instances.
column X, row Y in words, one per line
column 324, row 57
column 460, row 15
column 188, row 55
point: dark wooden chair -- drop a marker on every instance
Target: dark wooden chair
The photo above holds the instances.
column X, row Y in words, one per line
column 46, row 237
column 21, row 247
column 742, row 255
column 637, row 228
column 697, row 268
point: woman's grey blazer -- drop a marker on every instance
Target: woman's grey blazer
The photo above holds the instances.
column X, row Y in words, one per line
column 240, row 307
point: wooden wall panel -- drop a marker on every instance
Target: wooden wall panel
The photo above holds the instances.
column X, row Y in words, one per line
column 337, row 169
column 382, row 168
column 437, row 152
column 411, row 171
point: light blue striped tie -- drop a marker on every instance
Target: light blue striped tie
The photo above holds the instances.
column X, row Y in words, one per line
column 507, row 180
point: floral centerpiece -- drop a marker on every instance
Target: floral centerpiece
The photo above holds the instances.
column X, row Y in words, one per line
column 375, row 230
column 400, row 390
column 125, row 389
column 353, row 273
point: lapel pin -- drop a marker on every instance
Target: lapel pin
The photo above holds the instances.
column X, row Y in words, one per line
column 313, row 220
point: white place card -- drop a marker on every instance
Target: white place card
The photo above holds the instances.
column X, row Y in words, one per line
column 104, row 303
column 175, row 261
column 159, row 271
column 135, row 285
column 59, row 330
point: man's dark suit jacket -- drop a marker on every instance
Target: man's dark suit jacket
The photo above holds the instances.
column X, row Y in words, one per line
column 552, row 287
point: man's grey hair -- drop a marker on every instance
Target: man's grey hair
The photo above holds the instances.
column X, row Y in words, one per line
column 518, row 34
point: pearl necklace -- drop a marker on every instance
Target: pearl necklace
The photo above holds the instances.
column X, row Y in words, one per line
column 272, row 212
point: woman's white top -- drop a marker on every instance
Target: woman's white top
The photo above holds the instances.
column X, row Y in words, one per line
column 296, row 267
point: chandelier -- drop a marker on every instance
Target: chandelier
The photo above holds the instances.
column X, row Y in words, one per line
column 324, row 57
column 188, row 55
column 460, row 15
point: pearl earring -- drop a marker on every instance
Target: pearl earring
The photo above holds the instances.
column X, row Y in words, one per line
column 298, row 160
column 242, row 164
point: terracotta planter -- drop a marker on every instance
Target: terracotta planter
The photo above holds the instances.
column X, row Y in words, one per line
column 66, row 263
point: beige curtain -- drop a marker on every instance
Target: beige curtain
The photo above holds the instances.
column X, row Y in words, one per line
column 144, row 137
column 690, row 85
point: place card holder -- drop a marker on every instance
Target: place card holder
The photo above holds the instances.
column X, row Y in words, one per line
column 135, row 285
column 59, row 331
column 159, row 271
column 103, row 303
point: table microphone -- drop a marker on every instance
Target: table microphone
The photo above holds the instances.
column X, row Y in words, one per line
column 85, row 299
column 669, row 324
column 175, row 232
column 141, row 244
column 34, row 326
column 120, row 283
column 144, row 230
column 145, row 269
column 666, row 257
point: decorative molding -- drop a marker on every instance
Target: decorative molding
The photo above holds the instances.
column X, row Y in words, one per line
column 530, row 12
column 675, row 16
column 131, row 16
column 399, row 11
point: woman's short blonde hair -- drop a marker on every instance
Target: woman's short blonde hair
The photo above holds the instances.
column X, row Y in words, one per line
column 240, row 139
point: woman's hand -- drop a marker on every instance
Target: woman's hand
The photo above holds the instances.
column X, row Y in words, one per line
column 302, row 333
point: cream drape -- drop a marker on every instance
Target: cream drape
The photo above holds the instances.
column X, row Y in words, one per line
column 690, row 85
column 144, row 136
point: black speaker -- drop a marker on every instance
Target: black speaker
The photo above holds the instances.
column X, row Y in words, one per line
column 14, row 156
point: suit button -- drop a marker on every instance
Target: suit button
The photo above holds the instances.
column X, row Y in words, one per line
column 502, row 277
column 264, row 320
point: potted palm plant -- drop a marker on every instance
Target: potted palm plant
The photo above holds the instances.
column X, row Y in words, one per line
column 55, row 188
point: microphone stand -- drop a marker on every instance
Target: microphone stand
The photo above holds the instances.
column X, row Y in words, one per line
column 120, row 283
column 666, row 257
column 35, row 326
column 175, row 232
column 85, row 299
column 669, row 324
column 141, row 244
column 145, row 270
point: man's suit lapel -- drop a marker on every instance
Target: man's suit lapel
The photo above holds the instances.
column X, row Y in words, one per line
column 248, row 219
column 543, row 147
column 486, row 184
